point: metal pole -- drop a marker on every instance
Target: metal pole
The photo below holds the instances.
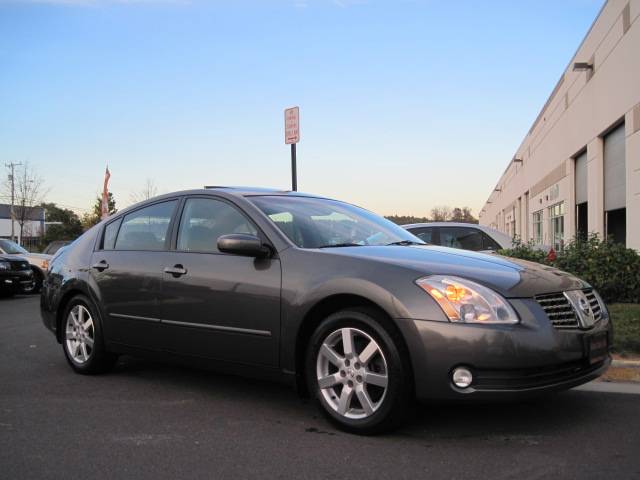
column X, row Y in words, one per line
column 294, row 172
column 12, row 177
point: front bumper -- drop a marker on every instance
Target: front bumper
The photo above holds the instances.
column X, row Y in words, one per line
column 506, row 361
column 16, row 281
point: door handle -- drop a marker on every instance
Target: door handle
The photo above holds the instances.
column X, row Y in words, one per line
column 177, row 270
column 100, row 266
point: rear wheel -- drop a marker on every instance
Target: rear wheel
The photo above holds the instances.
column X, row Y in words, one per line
column 83, row 343
column 356, row 372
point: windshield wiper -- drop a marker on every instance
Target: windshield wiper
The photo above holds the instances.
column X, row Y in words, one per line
column 337, row 245
column 406, row 242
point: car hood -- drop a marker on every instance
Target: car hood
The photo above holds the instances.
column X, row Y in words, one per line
column 510, row 277
column 11, row 258
column 38, row 256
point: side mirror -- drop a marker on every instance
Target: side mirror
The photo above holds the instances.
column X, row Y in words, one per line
column 243, row 244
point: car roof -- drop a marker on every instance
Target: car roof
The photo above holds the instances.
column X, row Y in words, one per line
column 223, row 191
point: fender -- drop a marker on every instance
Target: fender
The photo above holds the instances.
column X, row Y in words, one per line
column 296, row 307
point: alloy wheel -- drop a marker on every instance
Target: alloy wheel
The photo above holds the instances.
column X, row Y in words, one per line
column 352, row 373
column 79, row 334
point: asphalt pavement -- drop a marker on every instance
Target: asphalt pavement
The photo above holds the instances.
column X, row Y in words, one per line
column 153, row 421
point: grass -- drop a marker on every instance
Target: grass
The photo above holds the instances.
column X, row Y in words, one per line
column 626, row 328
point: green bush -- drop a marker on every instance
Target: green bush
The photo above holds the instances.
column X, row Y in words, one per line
column 609, row 267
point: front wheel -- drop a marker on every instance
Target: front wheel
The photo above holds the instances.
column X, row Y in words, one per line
column 82, row 342
column 357, row 373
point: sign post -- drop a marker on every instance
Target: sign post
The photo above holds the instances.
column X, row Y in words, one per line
column 291, row 137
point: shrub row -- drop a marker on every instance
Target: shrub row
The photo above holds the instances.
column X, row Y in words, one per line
column 609, row 267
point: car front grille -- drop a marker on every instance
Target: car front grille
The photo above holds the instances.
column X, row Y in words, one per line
column 516, row 379
column 19, row 265
column 558, row 309
column 595, row 305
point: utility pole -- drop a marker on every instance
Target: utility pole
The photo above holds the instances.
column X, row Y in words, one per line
column 12, row 178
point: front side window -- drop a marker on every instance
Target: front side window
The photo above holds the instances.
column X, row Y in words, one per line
column 537, row 227
column 319, row 223
column 424, row 234
column 461, row 237
column 147, row 228
column 204, row 220
column 556, row 225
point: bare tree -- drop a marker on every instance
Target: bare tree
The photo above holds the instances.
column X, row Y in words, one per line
column 149, row 190
column 441, row 214
column 29, row 194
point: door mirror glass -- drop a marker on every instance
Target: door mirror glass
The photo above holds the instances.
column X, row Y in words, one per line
column 243, row 244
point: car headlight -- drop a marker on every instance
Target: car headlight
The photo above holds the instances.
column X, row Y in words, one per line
column 5, row 266
column 468, row 302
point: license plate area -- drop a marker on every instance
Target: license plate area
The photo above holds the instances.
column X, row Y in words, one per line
column 597, row 348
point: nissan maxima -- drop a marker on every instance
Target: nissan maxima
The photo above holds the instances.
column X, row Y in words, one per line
column 358, row 313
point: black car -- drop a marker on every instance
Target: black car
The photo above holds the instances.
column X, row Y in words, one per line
column 15, row 275
column 360, row 314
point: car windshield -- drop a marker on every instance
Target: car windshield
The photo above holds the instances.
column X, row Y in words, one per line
column 8, row 246
column 322, row 223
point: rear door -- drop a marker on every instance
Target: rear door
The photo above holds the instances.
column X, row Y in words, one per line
column 127, row 272
column 218, row 305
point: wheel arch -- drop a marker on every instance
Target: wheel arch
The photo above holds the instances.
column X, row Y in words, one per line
column 331, row 304
column 75, row 290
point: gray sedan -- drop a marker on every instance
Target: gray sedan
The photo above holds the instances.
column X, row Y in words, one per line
column 357, row 312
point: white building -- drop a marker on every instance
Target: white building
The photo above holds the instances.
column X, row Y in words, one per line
column 34, row 226
column 578, row 168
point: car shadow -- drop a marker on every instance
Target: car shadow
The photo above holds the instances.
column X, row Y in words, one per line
column 494, row 422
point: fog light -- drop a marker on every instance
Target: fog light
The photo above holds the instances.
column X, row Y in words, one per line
column 462, row 377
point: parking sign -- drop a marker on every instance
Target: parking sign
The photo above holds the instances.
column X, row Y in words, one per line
column 291, row 125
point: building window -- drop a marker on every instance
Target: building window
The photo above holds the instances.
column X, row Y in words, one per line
column 537, row 227
column 556, row 225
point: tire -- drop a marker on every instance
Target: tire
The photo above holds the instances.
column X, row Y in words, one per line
column 36, row 286
column 82, row 338
column 366, row 391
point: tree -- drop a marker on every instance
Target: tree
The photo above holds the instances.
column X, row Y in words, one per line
column 149, row 190
column 67, row 226
column 406, row 219
column 28, row 194
column 94, row 216
column 441, row 214
column 463, row 215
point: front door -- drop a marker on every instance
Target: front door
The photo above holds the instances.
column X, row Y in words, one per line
column 216, row 305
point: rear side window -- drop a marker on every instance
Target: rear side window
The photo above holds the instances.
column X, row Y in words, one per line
column 461, row 237
column 204, row 220
column 489, row 243
column 424, row 234
column 147, row 228
column 110, row 233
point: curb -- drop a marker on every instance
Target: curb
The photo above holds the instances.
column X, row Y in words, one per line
column 625, row 363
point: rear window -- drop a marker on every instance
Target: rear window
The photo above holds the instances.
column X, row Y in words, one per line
column 110, row 232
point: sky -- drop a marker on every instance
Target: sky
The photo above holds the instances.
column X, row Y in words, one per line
column 404, row 105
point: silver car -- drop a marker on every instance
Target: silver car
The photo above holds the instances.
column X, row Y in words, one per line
column 468, row 236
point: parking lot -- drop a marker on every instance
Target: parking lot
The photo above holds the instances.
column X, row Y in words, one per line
column 148, row 420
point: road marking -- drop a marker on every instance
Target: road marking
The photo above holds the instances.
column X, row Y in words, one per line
column 610, row 387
